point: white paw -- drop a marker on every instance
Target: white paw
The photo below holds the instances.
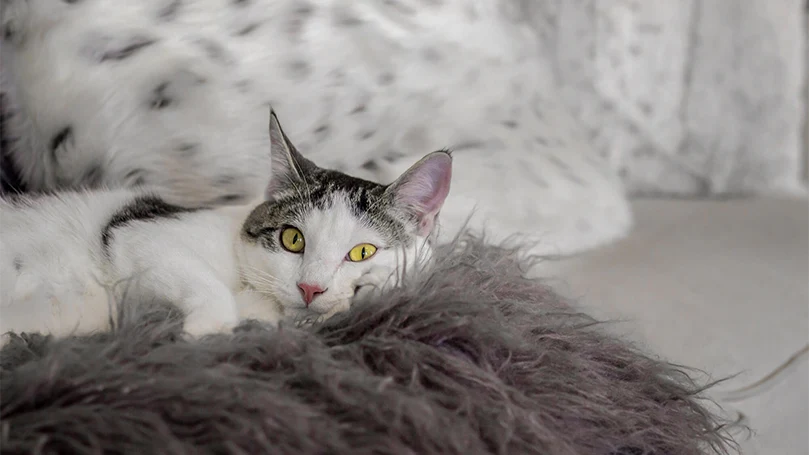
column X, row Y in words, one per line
column 200, row 323
column 338, row 308
column 374, row 282
column 251, row 304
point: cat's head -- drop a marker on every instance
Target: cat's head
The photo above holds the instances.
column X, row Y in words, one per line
column 321, row 233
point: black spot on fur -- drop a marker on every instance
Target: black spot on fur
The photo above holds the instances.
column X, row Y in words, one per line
column 230, row 198
column 240, row 2
column 136, row 177
column 225, row 180
column 359, row 109
column 392, row 156
column 468, row 145
column 365, row 135
column 71, row 2
column 160, row 99
column 370, row 165
column 8, row 33
column 322, row 132
column 242, row 85
column 18, row 263
column 510, row 124
column 303, row 9
column 61, row 138
column 645, row 107
column 431, row 55
column 169, row 12
column 527, row 168
column 299, row 69
column 343, row 18
column 575, row 179
column 137, row 44
column 94, row 176
column 294, row 28
column 213, row 50
column 401, row 8
column 566, row 171
column 187, row 149
column 143, row 208
column 558, row 163
column 248, row 29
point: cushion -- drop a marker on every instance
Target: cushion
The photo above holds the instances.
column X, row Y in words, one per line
column 474, row 359
column 176, row 94
column 722, row 286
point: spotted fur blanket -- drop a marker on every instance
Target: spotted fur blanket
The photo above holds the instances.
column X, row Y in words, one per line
column 476, row 359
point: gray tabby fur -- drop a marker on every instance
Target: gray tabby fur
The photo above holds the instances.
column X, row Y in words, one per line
column 474, row 359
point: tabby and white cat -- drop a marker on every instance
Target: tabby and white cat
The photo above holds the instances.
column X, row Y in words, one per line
column 317, row 238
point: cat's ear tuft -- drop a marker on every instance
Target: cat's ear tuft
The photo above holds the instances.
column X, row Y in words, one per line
column 423, row 188
column 288, row 165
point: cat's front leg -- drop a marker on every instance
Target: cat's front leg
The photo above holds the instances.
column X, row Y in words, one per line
column 210, row 311
column 251, row 304
column 208, row 304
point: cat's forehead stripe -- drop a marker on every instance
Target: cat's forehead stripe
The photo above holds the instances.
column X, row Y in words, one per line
column 321, row 190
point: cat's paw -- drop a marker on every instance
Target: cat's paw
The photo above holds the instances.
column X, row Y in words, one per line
column 374, row 282
column 199, row 324
column 337, row 308
column 252, row 304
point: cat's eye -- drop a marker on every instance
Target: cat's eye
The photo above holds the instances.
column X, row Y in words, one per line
column 292, row 240
column 361, row 252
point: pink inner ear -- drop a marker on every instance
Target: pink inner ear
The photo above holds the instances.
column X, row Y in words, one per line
column 425, row 188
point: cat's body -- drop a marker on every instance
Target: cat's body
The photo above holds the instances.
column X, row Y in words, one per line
column 68, row 260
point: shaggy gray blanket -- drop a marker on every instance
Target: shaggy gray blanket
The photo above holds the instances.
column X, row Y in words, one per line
column 476, row 359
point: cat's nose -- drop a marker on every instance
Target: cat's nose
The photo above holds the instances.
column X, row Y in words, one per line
column 310, row 291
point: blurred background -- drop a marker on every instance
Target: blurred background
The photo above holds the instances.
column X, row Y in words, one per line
column 659, row 149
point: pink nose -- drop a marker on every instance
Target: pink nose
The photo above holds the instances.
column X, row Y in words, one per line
column 310, row 291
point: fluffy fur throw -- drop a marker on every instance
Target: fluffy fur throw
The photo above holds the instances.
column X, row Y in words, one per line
column 475, row 359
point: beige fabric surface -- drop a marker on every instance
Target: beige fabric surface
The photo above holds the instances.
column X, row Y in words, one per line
column 718, row 285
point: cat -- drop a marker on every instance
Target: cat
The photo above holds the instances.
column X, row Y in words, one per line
column 316, row 238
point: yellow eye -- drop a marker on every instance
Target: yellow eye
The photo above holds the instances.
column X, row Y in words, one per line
column 361, row 252
column 292, row 240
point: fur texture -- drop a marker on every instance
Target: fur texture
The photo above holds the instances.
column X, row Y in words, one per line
column 475, row 359
column 173, row 93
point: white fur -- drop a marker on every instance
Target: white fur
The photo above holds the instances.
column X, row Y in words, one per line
column 66, row 283
column 413, row 76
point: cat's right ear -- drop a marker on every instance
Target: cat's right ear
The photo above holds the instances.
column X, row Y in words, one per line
column 289, row 167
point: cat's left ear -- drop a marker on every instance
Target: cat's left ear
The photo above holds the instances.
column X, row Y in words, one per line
column 289, row 167
column 423, row 188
